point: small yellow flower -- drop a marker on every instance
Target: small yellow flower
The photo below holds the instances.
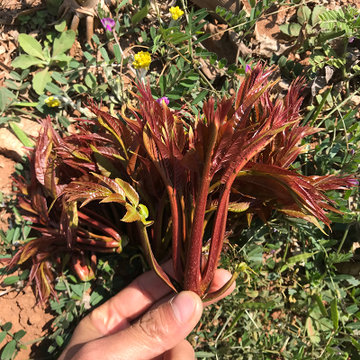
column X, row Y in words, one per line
column 52, row 101
column 142, row 60
column 176, row 12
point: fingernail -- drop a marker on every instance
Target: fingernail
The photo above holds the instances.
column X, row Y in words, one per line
column 183, row 306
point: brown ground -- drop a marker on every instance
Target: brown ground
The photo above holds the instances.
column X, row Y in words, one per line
column 20, row 309
column 7, row 167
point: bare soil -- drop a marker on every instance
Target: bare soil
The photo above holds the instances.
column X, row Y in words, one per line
column 20, row 308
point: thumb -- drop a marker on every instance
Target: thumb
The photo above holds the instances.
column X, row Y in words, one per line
column 153, row 334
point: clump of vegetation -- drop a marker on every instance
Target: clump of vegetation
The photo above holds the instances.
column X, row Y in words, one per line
column 175, row 176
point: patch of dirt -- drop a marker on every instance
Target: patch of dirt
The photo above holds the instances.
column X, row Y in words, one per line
column 10, row 9
column 7, row 167
column 20, row 309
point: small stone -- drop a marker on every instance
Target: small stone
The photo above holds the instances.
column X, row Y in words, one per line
column 10, row 145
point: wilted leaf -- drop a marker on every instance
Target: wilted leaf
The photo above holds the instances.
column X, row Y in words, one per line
column 131, row 214
column 303, row 14
column 238, row 207
column 312, row 333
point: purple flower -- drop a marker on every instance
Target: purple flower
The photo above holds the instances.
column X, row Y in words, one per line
column 247, row 68
column 108, row 23
column 351, row 39
column 353, row 182
column 163, row 100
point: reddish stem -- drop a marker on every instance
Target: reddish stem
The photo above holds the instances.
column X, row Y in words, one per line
column 97, row 224
column 219, row 229
column 176, row 244
column 217, row 238
column 192, row 276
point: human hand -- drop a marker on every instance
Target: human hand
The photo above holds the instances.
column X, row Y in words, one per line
column 142, row 322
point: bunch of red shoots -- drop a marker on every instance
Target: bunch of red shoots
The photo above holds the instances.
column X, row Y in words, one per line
column 170, row 181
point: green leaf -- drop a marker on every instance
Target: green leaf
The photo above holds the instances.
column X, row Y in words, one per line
column 292, row 29
column 31, row 46
column 59, row 340
column 320, row 305
column 96, row 39
column 21, row 135
column 105, row 55
column 140, row 15
column 204, row 354
column 315, row 14
column 90, row 80
column 39, row 81
column 7, row 326
column 60, row 27
column 6, row 98
column 11, row 280
column 25, row 61
column 2, row 336
column 81, row 89
column 303, row 14
column 54, row 89
column 334, row 314
column 144, row 213
column 130, row 192
column 64, row 42
column 9, row 350
column 62, row 58
column 295, row 259
column 162, row 85
column 117, row 53
column 19, row 334
column 95, row 298
column 24, row 275
column 200, row 97
column 356, row 343
column 59, row 77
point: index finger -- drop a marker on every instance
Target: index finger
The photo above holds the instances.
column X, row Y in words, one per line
column 118, row 312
